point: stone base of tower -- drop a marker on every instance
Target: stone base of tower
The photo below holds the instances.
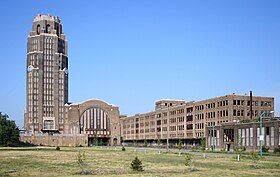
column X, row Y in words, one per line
column 55, row 139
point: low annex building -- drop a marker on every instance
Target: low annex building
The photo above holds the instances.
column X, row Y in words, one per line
column 244, row 135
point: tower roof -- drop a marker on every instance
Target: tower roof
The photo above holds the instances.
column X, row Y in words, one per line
column 41, row 17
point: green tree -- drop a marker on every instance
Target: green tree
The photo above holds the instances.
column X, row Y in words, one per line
column 136, row 165
column 203, row 143
column 145, row 143
column 9, row 132
column 158, row 142
column 255, row 158
column 188, row 159
column 180, row 144
column 81, row 157
column 96, row 142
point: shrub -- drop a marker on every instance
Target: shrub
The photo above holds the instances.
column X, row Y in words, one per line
column 57, row 148
column 123, row 148
column 188, row 159
column 255, row 158
column 158, row 142
column 276, row 150
column 265, row 149
column 145, row 143
column 203, row 143
column 81, row 161
column 136, row 165
column 180, row 144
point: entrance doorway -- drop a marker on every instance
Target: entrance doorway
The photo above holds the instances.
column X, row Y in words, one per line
column 115, row 141
column 228, row 147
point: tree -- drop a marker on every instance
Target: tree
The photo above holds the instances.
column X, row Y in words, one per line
column 9, row 132
column 145, row 143
column 255, row 158
column 158, row 142
column 81, row 157
column 203, row 143
column 180, row 144
column 136, row 165
column 188, row 159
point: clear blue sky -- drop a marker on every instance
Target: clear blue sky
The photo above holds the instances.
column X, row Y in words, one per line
column 131, row 53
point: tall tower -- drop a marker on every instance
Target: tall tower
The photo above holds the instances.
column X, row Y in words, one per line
column 46, row 75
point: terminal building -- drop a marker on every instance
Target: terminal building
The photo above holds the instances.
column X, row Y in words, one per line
column 50, row 119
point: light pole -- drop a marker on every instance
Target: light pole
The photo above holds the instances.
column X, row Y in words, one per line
column 261, row 136
column 212, row 138
column 168, row 119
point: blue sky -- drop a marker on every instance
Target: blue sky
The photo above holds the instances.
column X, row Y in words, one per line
column 131, row 53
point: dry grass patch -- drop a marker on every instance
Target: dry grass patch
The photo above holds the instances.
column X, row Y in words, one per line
column 46, row 161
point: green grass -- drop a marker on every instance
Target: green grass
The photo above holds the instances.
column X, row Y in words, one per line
column 46, row 161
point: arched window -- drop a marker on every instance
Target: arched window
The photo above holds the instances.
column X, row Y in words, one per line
column 38, row 29
column 95, row 120
column 48, row 28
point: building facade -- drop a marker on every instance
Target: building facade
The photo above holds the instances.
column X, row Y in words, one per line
column 175, row 120
column 47, row 75
column 247, row 135
column 49, row 118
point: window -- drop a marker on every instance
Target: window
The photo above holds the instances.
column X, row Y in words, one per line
column 38, row 29
column 48, row 28
column 267, row 131
column 158, row 122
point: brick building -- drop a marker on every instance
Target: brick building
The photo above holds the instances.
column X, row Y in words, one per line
column 175, row 120
column 50, row 119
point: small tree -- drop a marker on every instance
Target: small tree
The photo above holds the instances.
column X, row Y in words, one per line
column 255, row 159
column 81, row 161
column 123, row 148
column 188, row 159
column 180, row 144
column 265, row 148
column 158, row 142
column 57, row 148
column 145, row 143
column 96, row 142
column 136, row 165
column 203, row 143
column 189, row 162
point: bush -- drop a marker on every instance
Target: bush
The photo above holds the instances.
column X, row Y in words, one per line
column 255, row 158
column 81, row 157
column 123, row 148
column 180, row 144
column 158, row 142
column 265, row 149
column 203, row 143
column 276, row 150
column 188, row 159
column 145, row 143
column 136, row 165
column 57, row 148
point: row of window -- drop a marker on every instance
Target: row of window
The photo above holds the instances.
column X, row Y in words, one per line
column 254, row 103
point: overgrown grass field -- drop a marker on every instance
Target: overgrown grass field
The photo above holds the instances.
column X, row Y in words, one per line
column 47, row 161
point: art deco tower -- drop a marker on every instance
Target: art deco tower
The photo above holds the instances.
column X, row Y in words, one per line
column 46, row 75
